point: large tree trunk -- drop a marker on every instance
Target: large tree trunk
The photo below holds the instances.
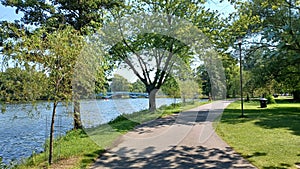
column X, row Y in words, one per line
column 52, row 132
column 152, row 101
column 77, row 118
column 296, row 95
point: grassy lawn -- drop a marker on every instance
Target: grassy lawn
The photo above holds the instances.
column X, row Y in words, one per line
column 269, row 138
column 78, row 149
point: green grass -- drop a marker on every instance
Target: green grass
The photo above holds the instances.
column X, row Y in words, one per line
column 75, row 144
column 81, row 149
column 269, row 138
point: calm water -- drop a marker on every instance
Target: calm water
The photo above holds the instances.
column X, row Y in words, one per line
column 24, row 128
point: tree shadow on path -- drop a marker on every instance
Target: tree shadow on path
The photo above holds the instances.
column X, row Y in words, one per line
column 175, row 157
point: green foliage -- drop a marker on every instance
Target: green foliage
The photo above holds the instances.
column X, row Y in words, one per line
column 84, row 16
column 171, row 88
column 23, row 85
column 271, row 99
column 149, row 53
column 205, row 79
column 138, row 86
column 275, row 57
column 101, row 83
column 56, row 53
column 167, row 47
column 49, row 18
column 189, row 89
column 119, row 83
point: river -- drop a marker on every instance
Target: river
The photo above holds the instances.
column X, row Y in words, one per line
column 25, row 127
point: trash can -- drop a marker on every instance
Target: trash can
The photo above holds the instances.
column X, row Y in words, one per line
column 263, row 102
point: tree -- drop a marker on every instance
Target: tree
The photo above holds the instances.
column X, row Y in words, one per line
column 276, row 23
column 55, row 54
column 151, row 43
column 85, row 16
column 189, row 89
column 119, row 83
column 171, row 87
column 23, row 85
column 138, row 87
column 206, row 85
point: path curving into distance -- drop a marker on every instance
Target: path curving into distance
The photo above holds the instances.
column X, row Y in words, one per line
column 184, row 140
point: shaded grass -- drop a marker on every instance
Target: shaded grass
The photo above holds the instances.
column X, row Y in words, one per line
column 84, row 146
column 269, row 137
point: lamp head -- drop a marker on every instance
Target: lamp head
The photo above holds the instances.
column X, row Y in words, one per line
column 240, row 40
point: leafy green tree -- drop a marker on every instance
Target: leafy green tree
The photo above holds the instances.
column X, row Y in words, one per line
column 119, row 83
column 10, row 32
column 189, row 89
column 138, row 87
column 206, row 85
column 101, row 83
column 85, row 16
column 160, row 67
column 163, row 46
column 56, row 55
column 23, row 85
column 276, row 24
column 171, row 87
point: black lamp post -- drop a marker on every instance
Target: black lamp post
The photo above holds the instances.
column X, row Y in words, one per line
column 1, row 40
column 240, row 40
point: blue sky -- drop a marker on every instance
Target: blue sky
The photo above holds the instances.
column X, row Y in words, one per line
column 224, row 8
column 8, row 13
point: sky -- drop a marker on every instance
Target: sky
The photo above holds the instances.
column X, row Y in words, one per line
column 8, row 13
column 224, row 8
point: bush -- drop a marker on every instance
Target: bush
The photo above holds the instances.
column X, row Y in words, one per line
column 271, row 99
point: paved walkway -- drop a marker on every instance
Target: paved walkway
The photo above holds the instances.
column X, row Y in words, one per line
column 185, row 140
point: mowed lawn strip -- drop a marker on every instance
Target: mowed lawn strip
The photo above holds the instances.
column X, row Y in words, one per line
column 269, row 137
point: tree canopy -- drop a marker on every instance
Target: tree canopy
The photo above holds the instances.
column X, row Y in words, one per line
column 273, row 54
column 85, row 16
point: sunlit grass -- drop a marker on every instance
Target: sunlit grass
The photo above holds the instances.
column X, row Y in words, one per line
column 269, row 137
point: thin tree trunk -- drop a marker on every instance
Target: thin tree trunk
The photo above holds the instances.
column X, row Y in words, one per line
column 233, row 94
column 77, row 118
column 52, row 132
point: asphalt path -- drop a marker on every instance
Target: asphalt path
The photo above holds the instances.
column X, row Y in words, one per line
column 184, row 140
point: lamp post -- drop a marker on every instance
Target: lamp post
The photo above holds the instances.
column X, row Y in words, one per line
column 240, row 40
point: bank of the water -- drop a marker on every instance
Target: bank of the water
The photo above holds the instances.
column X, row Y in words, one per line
column 77, row 149
column 25, row 127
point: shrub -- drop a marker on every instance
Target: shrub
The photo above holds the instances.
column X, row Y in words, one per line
column 271, row 99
